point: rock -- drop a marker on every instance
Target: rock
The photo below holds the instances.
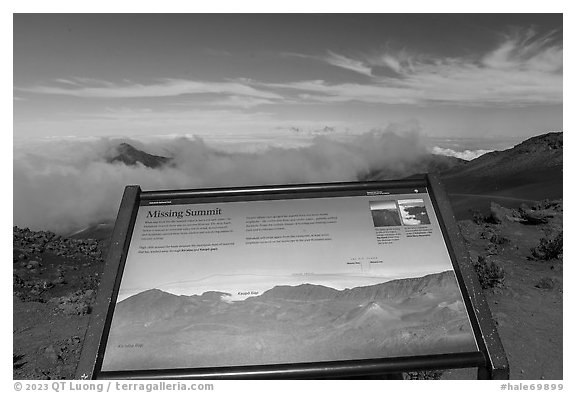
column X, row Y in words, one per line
column 75, row 308
column 33, row 265
column 492, row 249
column 547, row 283
column 40, row 242
column 46, row 284
column 534, row 217
column 78, row 303
column 51, row 354
column 74, row 340
column 556, row 205
column 499, row 214
column 17, row 281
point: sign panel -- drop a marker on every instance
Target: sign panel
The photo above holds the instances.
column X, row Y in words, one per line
column 290, row 279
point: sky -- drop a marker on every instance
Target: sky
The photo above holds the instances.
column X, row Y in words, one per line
column 230, row 75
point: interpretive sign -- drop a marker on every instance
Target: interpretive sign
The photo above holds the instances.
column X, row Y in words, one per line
column 312, row 280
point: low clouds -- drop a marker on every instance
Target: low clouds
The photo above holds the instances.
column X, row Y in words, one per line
column 464, row 155
column 67, row 185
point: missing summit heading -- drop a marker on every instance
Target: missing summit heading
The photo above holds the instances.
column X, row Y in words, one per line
column 183, row 213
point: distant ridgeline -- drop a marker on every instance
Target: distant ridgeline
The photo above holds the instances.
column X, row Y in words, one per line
column 530, row 170
column 131, row 156
column 429, row 163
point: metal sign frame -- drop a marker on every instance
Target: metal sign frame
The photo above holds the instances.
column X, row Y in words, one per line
column 490, row 360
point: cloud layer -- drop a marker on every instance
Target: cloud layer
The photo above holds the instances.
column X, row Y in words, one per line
column 464, row 155
column 67, row 185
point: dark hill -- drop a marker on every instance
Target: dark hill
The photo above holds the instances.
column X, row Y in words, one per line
column 543, row 152
column 148, row 306
column 403, row 288
column 530, row 171
column 155, row 305
column 391, row 290
column 300, row 292
column 395, row 289
column 430, row 163
column 129, row 155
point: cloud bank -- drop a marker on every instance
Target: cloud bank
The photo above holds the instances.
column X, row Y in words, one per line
column 65, row 185
column 464, row 155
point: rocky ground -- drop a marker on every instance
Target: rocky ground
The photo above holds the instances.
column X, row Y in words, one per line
column 54, row 285
column 517, row 254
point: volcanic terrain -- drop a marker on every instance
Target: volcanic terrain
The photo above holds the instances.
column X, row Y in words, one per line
column 510, row 211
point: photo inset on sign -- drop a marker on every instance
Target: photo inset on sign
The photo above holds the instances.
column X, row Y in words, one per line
column 305, row 321
column 385, row 213
column 413, row 212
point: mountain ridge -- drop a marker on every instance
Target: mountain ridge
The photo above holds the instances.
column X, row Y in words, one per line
column 545, row 150
column 155, row 304
column 530, row 171
column 129, row 155
column 428, row 163
column 316, row 291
